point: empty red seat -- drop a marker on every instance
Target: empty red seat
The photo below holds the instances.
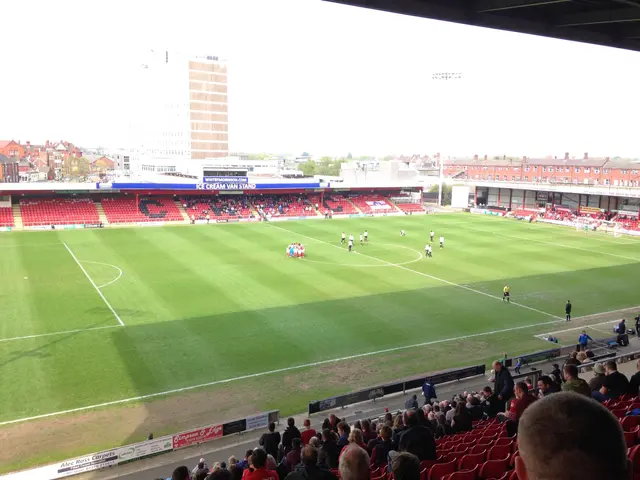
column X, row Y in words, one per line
column 494, row 468
column 470, row 460
column 441, row 470
column 470, row 474
column 58, row 211
column 498, row 452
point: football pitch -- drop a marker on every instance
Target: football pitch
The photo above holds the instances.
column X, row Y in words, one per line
column 107, row 335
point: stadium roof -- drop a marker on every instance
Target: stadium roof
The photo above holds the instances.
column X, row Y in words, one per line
column 613, row 23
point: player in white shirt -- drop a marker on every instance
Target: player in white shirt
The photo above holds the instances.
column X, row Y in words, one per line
column 351, row 237
column 361, row 239
column 427, row 251
column 366, row 236
column 432, row 234
column 350, row 244
column 402, row 233
column 343, row 237
column 441, row 241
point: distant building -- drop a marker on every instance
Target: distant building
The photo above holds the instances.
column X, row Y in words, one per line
column 182, row 112
column 11, row 148
column 9, row 169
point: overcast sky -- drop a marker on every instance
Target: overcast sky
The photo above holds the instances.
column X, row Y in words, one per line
column 306, row 75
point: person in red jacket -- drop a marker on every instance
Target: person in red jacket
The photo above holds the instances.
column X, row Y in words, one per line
column 257, row 469
column 307, row 433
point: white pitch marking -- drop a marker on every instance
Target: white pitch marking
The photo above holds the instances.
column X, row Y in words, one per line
column 104, row 299
column 371, row 266
column 425, row 275
column 107, row 265
column 38, row 335
column 279, row 370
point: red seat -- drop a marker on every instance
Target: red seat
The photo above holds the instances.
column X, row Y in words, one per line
column 619, row 412
column 630, row 437
column 499, row 451
column 426, row 464
column 494, row 468
column 485, row 441
column 470, row 474
column 441, row 470
column 478, row 449
column 630, row 422
column 505, row 441
column 470, row 460
column 455, row 456
column 634, row 456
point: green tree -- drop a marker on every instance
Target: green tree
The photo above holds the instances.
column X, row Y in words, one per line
column 308, row 168
column 446, row 193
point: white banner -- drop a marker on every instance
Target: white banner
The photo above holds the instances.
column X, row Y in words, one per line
column 378, row 205
column 150, row 224
column 5, row 229
column 257, row 421
column 143, row 449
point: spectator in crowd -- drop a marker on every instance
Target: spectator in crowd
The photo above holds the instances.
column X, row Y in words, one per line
column 244, row 463
column 573, row 359
column 442, row 428
column 462, row 419
column 326, row 423
column 355, row 437
column 614, row 385
column 474, row 408
column 595, row 384
column 270, row 441
column 417, row 439
column 333, row 422
column 388, row 419
column 232, row 460
column 382, row 447
column 368, row 433
column 220, row 474
column 399, row 426
column 634, row 381
column 357, row 424
column 573, row 383
column 343, row 434
column 450, row 411
column 236, row 472
column 405, row 466
column 504, row 383
column 354, row 464
column 200, row 465
column 546, row 386
column 329, row 452
column 581, row 357
column 314, row 442
column 309, row 469
column 289, row 434
column 294, row 455
column 569, row 437
column 258, row 469
column 428, row 391
column 491, row 404
column 180, row 473
column 412, row 402
column 523, row 399
column 307, row 433
column 557, row 373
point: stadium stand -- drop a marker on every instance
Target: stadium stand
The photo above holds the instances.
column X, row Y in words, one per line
column 6, row 217
column 217, row 207
column 410, row 207
column 365, row 203
column 58, row 211
column 127, row 210
column 284, row 205
column 339, row 204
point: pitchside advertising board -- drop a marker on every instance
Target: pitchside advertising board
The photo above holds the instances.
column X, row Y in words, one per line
column 137, row 451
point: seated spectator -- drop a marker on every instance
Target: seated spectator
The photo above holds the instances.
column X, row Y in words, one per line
column 236, row 472
column 614, row 385
column 570, row 437
column 200, row 466
column 180, row 473
column 294, row 455
column 289, row 434
column 355, row 437
column 314, row 442
column 595, row 384
column 412, row 402
column 382, row 448
column 461, row 421
column 492, row 404
column 634, row 381
column 417, row 439
column 343, row 434
column 443, row 428
column 573, row 383
column 220, row 474
column 557, row 373
column 232, row 460
column 573, row 359
column 354, row 464
column 258, row 469
column 368, row 433
column 474, row 408
column 329, row 452
column 270, row 441
column 546, row 386
column 307, row 433
column 405, row 466
column 309, row 470
column 244, row 463
column 523, row 399
column 399, row 426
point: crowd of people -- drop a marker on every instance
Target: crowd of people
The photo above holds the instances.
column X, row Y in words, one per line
column 563, row 431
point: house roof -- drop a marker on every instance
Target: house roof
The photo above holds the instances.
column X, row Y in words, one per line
column 5, row 143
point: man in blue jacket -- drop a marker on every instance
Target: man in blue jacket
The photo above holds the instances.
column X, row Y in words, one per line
column 429, row 391
column 583, row 341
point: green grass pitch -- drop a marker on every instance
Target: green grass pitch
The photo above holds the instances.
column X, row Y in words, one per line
column 203, row 304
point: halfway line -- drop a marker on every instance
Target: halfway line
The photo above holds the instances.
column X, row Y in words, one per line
column 424, row 274
column 94, row 285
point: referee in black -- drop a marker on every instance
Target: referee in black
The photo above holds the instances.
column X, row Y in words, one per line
column 567, row 310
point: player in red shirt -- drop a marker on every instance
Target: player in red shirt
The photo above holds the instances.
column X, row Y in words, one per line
column 308, row 432
column 257, row 469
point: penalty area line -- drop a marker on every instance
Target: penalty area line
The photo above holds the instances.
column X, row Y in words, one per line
column 104, row 299
column 275, row 371
column 68, row 332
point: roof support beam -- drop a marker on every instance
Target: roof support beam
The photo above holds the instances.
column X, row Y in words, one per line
column 485, row 6
column 600, row 17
